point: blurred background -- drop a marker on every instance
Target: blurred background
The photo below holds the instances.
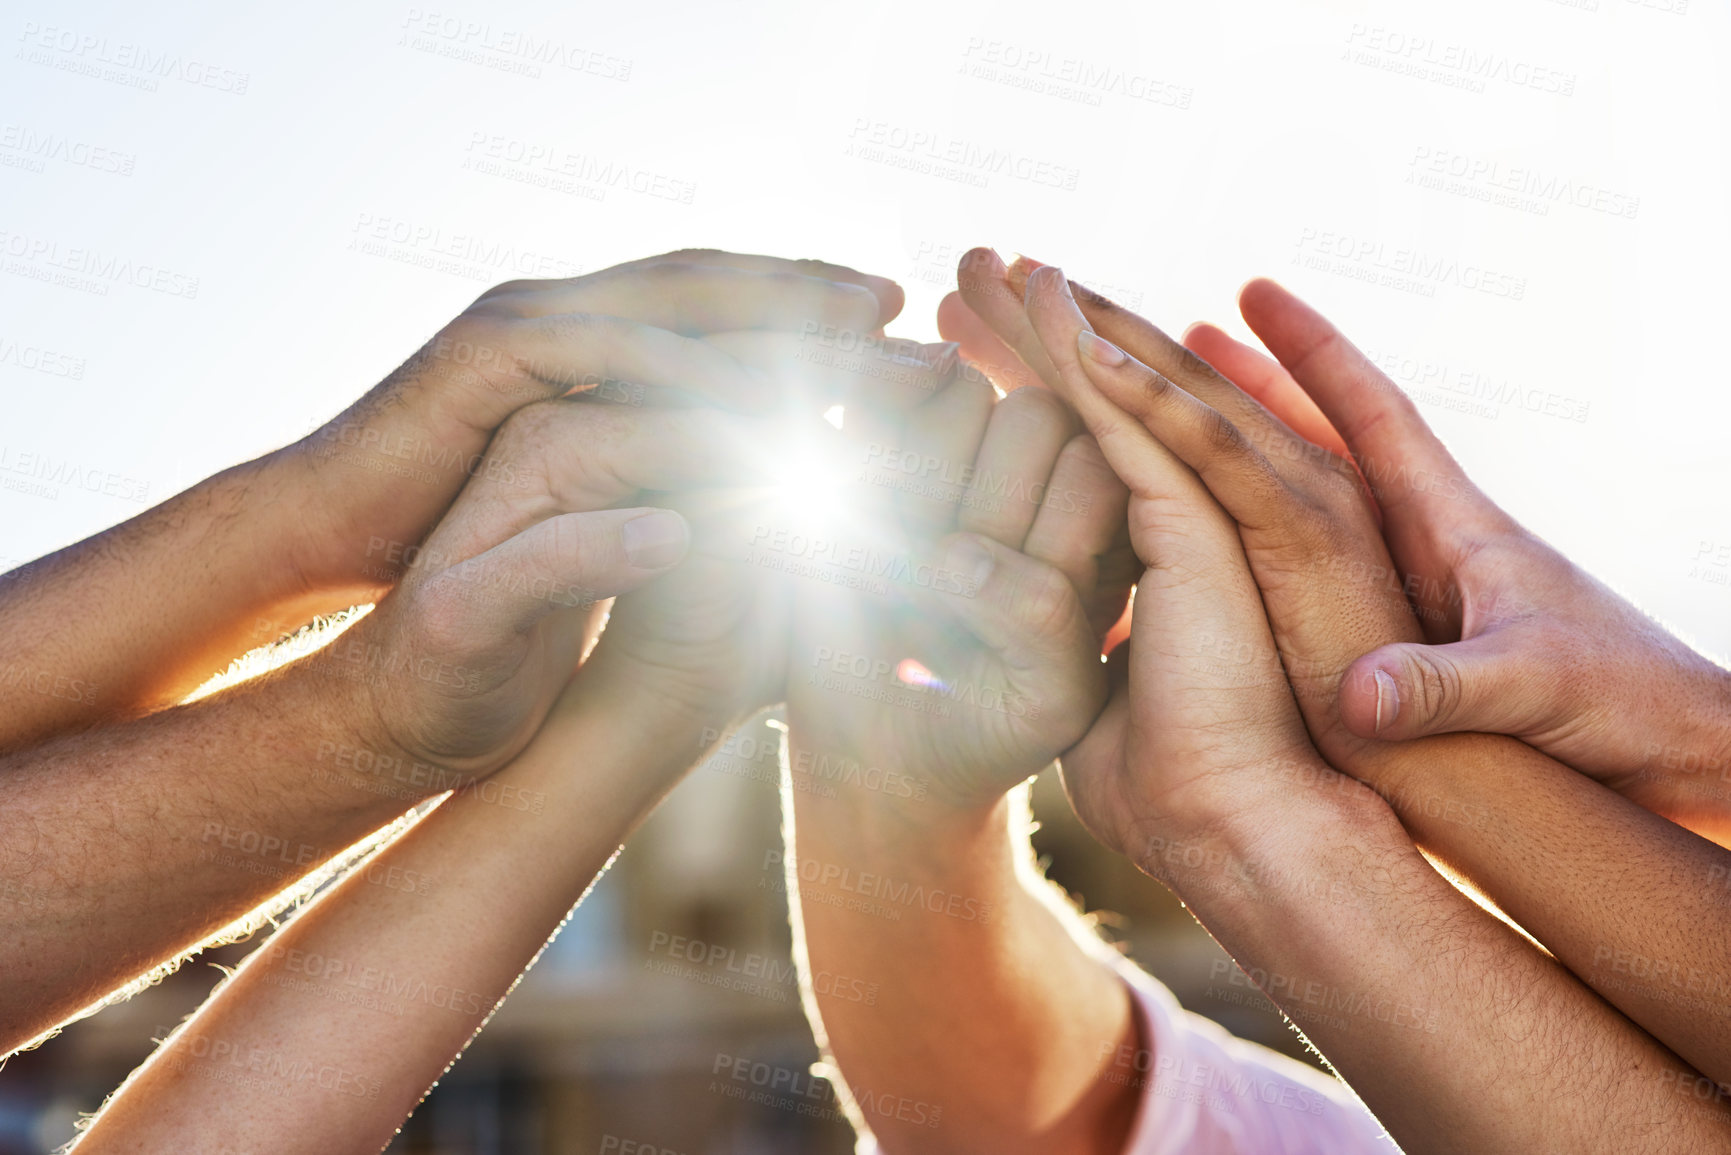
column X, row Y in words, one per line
column 220, row 223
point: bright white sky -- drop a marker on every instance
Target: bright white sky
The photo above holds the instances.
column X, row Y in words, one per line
column 1200, row 143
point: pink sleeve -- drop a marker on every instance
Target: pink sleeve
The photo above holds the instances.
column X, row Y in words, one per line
column 1205, row 1092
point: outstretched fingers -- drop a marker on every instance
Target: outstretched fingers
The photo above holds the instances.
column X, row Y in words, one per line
column 1238, row 475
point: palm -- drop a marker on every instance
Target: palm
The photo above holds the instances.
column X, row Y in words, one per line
column 976, row 727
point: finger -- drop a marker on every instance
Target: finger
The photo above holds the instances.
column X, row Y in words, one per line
column 506, row 363
column 981, row 279
column 1380, row 425
column 981, row 346
column 564, row 456
column 890, row 296
column 941, row 438
column 1025, row 435
column 1080, row 529
column 828, row 368
column 1407, row 690
column 1261, row 377
column 567, row 562
column 1028, row 613
column 1234, row 471
column 1149, row 344
column 697, row 299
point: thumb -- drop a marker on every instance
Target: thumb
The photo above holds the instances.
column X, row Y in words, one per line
column 1410, row 690
column 570, row 561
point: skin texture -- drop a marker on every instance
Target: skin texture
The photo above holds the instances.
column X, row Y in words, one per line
column 131, row 620
column 133, row 840
column 1619, row 895
column 144, row 838
column 1551, row 882
column 995, row 1062
column 663, row 685
column 1519, row 640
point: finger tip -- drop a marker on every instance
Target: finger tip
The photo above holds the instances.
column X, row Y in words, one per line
column 981, row 259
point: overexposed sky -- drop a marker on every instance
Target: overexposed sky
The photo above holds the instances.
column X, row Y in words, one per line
column 220, row 223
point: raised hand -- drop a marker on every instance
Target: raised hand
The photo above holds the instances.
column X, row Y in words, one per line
column 465, row 656
column 984, row 663
column 630, row 333
column 1520, row 640
column 1550, row 847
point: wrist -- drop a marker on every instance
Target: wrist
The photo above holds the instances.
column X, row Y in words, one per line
column 1266, row 844
column 349, row 754
column 840, row 799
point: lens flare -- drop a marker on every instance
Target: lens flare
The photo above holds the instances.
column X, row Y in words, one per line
column 912, row 673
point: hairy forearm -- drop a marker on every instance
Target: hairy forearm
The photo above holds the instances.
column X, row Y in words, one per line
column 999, row 1037
column 132, row 619
column 1633, row 904
column 1453, row 1030
column 350, row 1013
column 121, row 848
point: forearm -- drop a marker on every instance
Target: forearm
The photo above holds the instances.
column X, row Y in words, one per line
column 1451, row 1028
column 132, row 619
column 1686, row 766
column 1633, row 904
column 1000, row 1037
column 337, row 1027
column 123, row 847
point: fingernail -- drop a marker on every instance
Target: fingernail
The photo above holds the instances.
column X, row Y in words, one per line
column 1097, row 348
column 655, row 540
column 969, row 559
column 1387, row 701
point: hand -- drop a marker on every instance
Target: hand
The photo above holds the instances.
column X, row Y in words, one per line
column 465, row 657
column 1522, row 641
column 1202, row 730
column 994, row 667
column 386, row 468
column 1308, row 529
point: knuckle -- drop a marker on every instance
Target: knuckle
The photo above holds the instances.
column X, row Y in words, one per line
column 1221, row 436
column 505, row 288
column 1044, row 600
column 1437, row 684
